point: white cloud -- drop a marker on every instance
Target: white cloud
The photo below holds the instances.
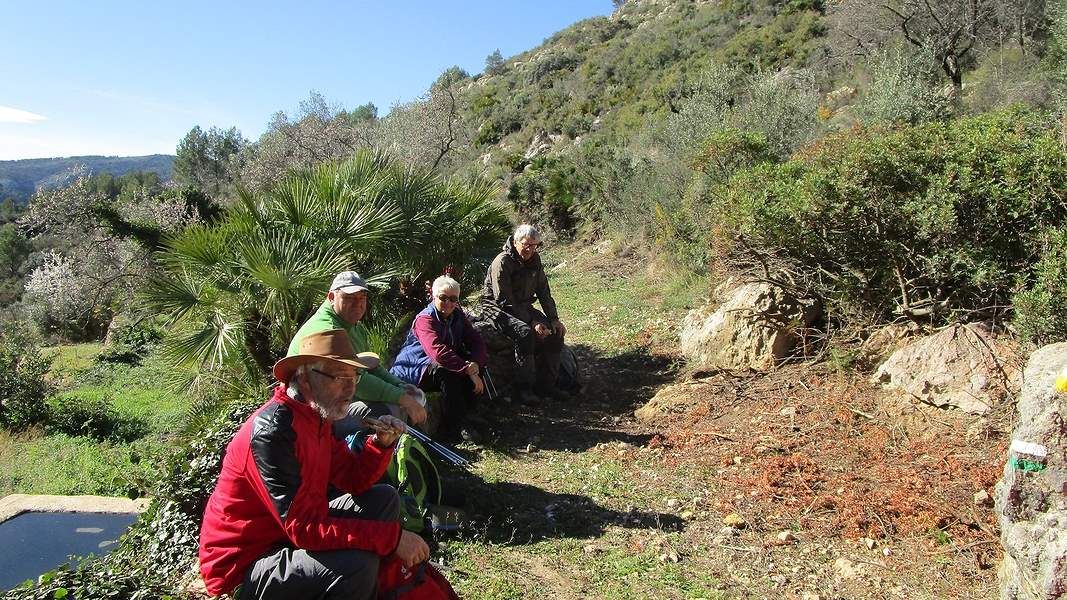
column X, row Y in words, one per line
column 14, row 115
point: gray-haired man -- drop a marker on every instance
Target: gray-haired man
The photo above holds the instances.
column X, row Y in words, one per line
column 515, row 279
column 379, row 392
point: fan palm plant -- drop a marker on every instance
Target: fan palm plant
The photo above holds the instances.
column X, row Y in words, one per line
column 236, row 290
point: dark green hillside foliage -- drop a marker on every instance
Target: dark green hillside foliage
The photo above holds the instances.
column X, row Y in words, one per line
column 604, row 80
column 931, row 222
column 21, row 178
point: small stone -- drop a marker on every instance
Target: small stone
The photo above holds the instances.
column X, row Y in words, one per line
column 981, row 498
column 734, row 520
column 738, row 460
column 687, row 515
column 846, row 569
column 671, row 556
column 780, row 579
column 786, row 536
column 869, row 543
column 672, row 502
column 886, row 551
column 729, row 531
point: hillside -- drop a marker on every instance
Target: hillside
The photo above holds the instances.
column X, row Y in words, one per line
column 20, row 178
column 612, row 75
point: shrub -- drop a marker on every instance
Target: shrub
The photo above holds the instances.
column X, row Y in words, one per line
column 91, row 415
column 903, row 88
column 1041, row 311
column 130, row 342
column 922, row 221
column 23, row 386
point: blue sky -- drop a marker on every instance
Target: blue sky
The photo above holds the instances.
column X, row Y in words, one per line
column 131, row 78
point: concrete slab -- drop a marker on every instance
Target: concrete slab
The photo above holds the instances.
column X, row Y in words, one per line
column 16, row 504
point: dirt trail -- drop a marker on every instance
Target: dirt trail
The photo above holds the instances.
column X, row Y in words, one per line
column 841, row 492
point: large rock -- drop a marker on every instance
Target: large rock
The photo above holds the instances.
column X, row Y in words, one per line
column 756, row 328
column 963, row 366
column 1030, row 497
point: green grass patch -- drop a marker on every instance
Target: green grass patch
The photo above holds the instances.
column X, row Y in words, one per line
column 70, row 360
column 109, row 420
column 617, row 304
column 33, row 463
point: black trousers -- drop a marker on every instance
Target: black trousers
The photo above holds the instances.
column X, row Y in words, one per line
column 536, row 360
column 457, row 397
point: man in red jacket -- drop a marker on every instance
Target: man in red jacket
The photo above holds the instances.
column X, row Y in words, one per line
column 274, row 527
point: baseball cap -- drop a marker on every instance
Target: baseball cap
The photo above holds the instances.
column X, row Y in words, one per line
column 348, row 282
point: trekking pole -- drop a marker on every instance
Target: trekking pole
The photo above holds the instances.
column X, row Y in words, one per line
column 444, row 451
column 491, row 387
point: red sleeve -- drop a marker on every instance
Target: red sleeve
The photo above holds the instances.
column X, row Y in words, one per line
column 288, row 487
column 435, row 347
column 356, row 473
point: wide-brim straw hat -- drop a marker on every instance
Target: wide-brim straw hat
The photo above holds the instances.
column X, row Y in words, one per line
column 330, row 345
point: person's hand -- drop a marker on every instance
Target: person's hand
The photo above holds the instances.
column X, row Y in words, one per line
column 479, row 387
column 557, row 326
column 409, row 401
column 412, row 549
column 386, row 439
column 542, row 330
column 471, row 368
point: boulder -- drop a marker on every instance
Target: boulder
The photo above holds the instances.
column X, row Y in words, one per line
column 963, row 366
column 882, row 343
column 670, row 399
column 756, row 327
column 501, row 355
column 1030, row 497
column 540, row 144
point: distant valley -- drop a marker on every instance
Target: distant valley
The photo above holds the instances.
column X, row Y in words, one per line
column 20, row 178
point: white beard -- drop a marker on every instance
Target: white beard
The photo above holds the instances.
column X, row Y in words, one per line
column 333, row 412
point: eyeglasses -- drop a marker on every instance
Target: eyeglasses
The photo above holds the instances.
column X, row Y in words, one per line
column 534, row 245
column 446, row 297
column 342, row 378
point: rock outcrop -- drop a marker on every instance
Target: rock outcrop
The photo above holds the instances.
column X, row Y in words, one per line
column 963, row 366
column 1030, row 497
column 757, row 327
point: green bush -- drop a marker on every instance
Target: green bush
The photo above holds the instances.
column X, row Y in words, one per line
column 23, row 385
column 91, row 415
column 1041, row 311
column 923, row 221
column 131, row 342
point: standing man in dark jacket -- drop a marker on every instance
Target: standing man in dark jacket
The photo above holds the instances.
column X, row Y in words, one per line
column 515, row 279
column 271, row 529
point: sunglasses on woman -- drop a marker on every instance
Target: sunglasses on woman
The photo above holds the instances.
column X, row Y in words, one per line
column 447, row 298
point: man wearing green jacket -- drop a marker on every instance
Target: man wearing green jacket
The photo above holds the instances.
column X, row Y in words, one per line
column 378, row 391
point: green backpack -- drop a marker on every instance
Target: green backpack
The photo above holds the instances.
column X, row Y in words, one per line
column 415, row 476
